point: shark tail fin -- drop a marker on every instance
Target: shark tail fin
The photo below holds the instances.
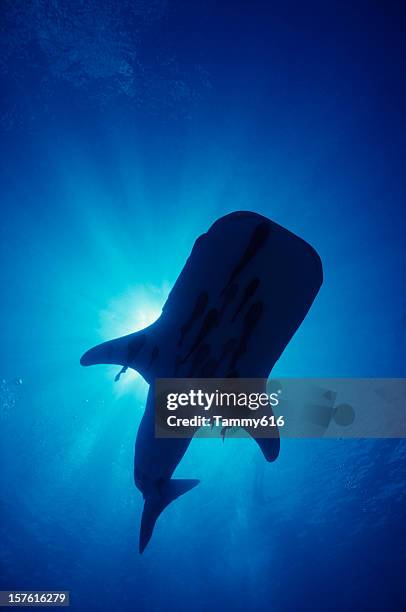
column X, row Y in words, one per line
column 154, row 505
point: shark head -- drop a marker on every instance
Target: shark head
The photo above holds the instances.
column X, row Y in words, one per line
column 244, row 290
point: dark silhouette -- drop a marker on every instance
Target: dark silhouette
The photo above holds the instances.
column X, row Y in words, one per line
column 270, row 277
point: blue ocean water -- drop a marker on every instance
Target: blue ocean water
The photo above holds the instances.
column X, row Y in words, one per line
column 127, row 129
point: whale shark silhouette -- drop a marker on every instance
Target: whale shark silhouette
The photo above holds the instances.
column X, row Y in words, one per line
column 243, row 292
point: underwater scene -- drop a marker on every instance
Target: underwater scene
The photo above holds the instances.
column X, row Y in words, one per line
column 127, row 129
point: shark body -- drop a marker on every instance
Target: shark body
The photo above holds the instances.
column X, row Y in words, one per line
column 243, row 292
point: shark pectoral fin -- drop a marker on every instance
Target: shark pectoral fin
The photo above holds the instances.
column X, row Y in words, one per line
column 108, row 352
column 269, row 446
column 155, row 505
column 123, row 351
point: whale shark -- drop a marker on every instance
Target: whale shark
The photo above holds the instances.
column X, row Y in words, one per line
column 244, row 290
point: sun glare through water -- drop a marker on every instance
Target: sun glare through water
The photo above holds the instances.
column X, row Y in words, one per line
column 134, row 310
